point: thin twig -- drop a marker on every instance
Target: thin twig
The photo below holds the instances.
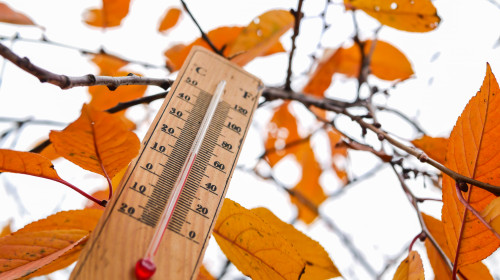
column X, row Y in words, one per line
column 143, row 100
column 296, row 28
column 404, row 117
column 66, row 82
column 425, row 230
column 203, row 34
column 45, row 40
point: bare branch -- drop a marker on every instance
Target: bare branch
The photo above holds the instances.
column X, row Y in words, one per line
column 203, row 34
column 45, row 40
column 66, row 82
column 340, row 107
column 298, row 18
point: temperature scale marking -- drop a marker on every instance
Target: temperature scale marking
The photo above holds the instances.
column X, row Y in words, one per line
column 131, row 218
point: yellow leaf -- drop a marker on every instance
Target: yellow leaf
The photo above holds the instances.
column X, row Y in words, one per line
column 60, row 236
column 10, row 16
column 441, row 271
column 27, row 163
column 281, row 133
column 169, row 20
column 111, row 14
column 434, row 147
column 472, row 151
column 387, row 63
column 410, row 268
column 219, row 37
column 97, row 141
column 253, row 246
column 318, row 263
column 308, row 194
column 260, row 35
column 413, row 16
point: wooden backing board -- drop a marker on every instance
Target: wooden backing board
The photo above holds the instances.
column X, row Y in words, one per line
column 129, row 221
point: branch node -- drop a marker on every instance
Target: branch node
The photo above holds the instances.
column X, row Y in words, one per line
column 380, row 136
column 112, row 87
column 377, row 125
column 92, row 79
column 463, row 186
column 423, row 157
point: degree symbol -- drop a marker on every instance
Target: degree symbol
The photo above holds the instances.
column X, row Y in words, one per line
column 200, row 70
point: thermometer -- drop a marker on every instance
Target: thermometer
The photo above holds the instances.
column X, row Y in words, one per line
column 159, row 222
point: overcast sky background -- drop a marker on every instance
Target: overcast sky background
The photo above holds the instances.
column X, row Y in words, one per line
column 449, row 63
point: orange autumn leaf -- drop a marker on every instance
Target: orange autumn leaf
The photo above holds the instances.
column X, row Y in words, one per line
column 6, row 230
column 108, row 64
column 441, row 271
column 254, row 246
column 410, row 268
column 491, row 214
column 34, row 247
column 282, row 134
column 387, row 63
column 110, row 15
column 27, row 163
column 97, row 141
column 259, row 36
column 169, row 20
column 318, row 263
column 204, row 274
column 219, row 37
column 102, row 97
column 413, row 16
column 10, row 16
column 434, row 147
column 472, row 148
column 308, row 194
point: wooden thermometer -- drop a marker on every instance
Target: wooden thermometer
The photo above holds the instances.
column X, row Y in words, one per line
column 159, row 222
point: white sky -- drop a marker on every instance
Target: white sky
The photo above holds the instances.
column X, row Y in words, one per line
column 449, row 63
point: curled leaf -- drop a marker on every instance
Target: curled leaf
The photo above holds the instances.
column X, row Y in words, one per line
column 97, row 141
column 254, row 247
column 413, row 16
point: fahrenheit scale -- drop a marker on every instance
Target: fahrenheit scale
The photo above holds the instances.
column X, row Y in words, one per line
column 168, row 201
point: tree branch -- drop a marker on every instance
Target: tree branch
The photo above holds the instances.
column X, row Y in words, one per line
column 298, row 17
column 203, row 34
column 340, row 107
column 66, row 82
